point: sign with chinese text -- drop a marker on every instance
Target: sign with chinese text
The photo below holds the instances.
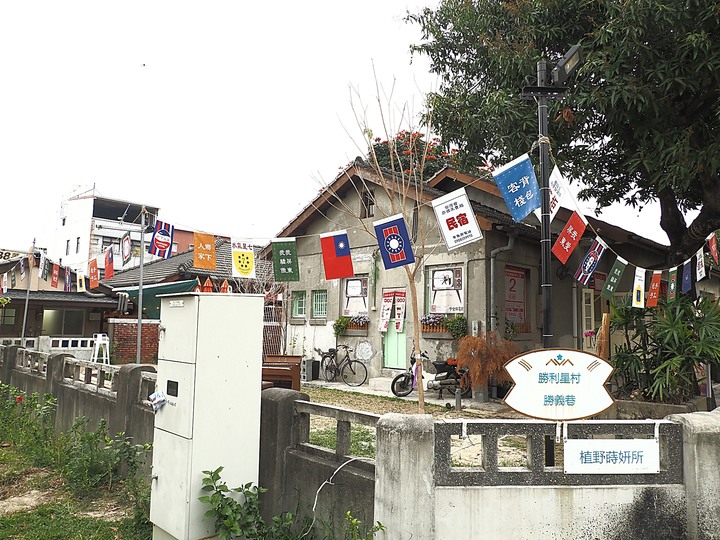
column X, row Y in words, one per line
column 611, row 456
column 456, row 219
column 204, row 251
column 558, row 187
column 515, row 283
column 654, row 292
column 613, row 279
column 386, row 309
column 700, row 264
column 558, row 384
column 446, row 289
column 93, row 274
column 400, row 297
column 518, row 186
column 285, row 260
column 570, row 237
column 638, row 296
column 243, row 258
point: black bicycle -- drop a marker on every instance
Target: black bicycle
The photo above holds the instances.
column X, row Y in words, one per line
column 334, row 362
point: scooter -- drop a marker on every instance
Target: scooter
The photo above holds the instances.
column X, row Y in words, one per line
column 447, row 377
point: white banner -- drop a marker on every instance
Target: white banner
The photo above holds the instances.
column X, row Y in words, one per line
column 456, row 219
column 638, row 298
column 700, row 267
column 558, row 188
column 400, row 297
column 386, row 309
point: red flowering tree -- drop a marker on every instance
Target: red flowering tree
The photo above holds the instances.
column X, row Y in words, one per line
column 410, row 151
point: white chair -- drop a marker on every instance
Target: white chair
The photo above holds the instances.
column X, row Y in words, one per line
column 101, row 342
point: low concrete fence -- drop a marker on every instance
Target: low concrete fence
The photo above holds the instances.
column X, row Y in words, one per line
column 417, row 486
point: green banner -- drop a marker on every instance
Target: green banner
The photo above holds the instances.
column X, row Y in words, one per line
column 285, row 259
column 613, row 279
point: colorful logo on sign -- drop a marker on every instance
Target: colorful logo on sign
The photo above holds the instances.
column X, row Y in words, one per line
column 162, row 240
column 244, row 262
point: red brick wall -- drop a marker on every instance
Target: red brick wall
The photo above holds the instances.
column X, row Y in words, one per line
column 123, row 341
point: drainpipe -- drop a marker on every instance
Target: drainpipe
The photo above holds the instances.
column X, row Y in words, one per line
column 372, row 280
column 494, row 253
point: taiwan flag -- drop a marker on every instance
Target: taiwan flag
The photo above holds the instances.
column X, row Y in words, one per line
column 336, row 255
column 162, row 240
column 394, row 242
column 109, row 263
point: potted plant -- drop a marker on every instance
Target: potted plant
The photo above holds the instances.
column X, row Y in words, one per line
column 485, row 357
column 340, row 325
column 433, row 323
column 456, row 325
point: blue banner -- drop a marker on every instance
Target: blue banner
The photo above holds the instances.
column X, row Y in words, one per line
column 519, row 187
column 394, row 242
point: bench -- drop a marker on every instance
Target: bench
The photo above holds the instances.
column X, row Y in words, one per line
column 282, row 371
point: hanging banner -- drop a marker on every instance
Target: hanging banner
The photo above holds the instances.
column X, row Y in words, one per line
column 558, row 188
column 672, row 284
column 67, row 286
column 13, row 279
column 80, row 282
column 93, row 273
column 204, row 251
column 400, row 297
column 337, row 260
column 126, row 248
column 686, row 277
column 518, row 186
column 162, row 240
column 456, row 219
column 700, row 264
column 394, row 242
column 386, row 309
column 41, row 265
column 22, row 269
column 109, row 263
column 570, row 237
column 45, row 273
column 590, row 262
column 712, row 243
column 638, row 297
column 55, row 276
column 285, row 260
column 243, row 258
column 4, row 283
column 654, row 292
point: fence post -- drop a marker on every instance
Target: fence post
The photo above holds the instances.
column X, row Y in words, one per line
column 127, row 384
column 9, row 363
column 404, row 476
column 701, row 472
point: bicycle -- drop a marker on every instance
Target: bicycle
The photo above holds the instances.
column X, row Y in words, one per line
column 337, row 361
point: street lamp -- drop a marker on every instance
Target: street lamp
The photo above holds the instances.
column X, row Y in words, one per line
column 548, row 89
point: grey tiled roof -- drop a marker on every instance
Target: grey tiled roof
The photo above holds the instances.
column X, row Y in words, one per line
column 94, row 299
column 182, row 265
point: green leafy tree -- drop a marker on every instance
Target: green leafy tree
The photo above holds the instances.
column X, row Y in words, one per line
column 639, row 122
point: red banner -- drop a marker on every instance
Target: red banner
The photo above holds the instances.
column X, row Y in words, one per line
column 654, row 292
column 93, row 268
column 55, row 276
column 714, row 247
column 569, row 237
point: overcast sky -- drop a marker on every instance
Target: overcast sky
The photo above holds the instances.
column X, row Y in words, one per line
column 227, row 115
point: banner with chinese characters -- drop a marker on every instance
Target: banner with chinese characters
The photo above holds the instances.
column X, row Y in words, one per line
column 654, row 292
column 400, row 297
column 570, row 237
column 518, row 186
column 204, row 251
column 93, row 274
column 700, row 264
column 558, row 188
column 456, row 219
column 638, row 297
column 386, row 309
column 285, row 259
column 243, row 258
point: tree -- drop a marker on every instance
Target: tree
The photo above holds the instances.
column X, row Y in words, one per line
column 639, row 122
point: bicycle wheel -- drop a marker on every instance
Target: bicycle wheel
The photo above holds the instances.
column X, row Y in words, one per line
column 354, row 373
column 327, row 367
column 401, row 385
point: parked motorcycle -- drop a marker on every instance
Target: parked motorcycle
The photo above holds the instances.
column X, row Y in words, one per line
column 447, row 377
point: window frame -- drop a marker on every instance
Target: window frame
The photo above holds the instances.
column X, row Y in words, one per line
column 298, row 299
column 316, row 302
column 8, row 316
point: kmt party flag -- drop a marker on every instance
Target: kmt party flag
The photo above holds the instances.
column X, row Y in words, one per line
column 162, row 240
column 518, row 186
column 204, row 251
column 337, row 261
column 613, row 280
column 109, row 263
column 654, row 292
column 394, row 242
column 93, row 271
column 285, row 259
column 638, row 297
column 456, row 219
column 570, row 237
column 700, row 264
column 672, row 284
column 243, row 258
column 712, row 243
column 590, row 262
column 686, row 276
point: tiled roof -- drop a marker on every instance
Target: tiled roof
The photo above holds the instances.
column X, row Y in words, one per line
column 93, row 299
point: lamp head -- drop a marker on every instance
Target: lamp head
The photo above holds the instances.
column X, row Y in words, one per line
column 567, row 65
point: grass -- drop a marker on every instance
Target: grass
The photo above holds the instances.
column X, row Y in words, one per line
column 362, row 440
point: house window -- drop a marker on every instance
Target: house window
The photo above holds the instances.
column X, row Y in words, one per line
column 67, row 247
column 63, row 322
column 174, row 247
column 367, row 205
column 319, row 304
column 77, row 245
column 298, row 304
column 7, row 316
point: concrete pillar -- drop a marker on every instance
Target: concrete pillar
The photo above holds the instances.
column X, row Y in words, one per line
column 127, row 385
column 701, row 472
column 277, row 418
column 404, row 476
column 9, row 364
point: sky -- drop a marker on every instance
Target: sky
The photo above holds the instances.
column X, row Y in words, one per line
column 229, row 116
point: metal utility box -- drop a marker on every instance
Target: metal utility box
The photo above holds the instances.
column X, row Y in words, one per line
column 209, row 367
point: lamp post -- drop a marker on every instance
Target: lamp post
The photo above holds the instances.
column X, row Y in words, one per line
column 549, row 87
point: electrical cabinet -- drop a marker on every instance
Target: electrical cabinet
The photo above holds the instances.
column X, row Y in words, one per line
column 210, row 370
